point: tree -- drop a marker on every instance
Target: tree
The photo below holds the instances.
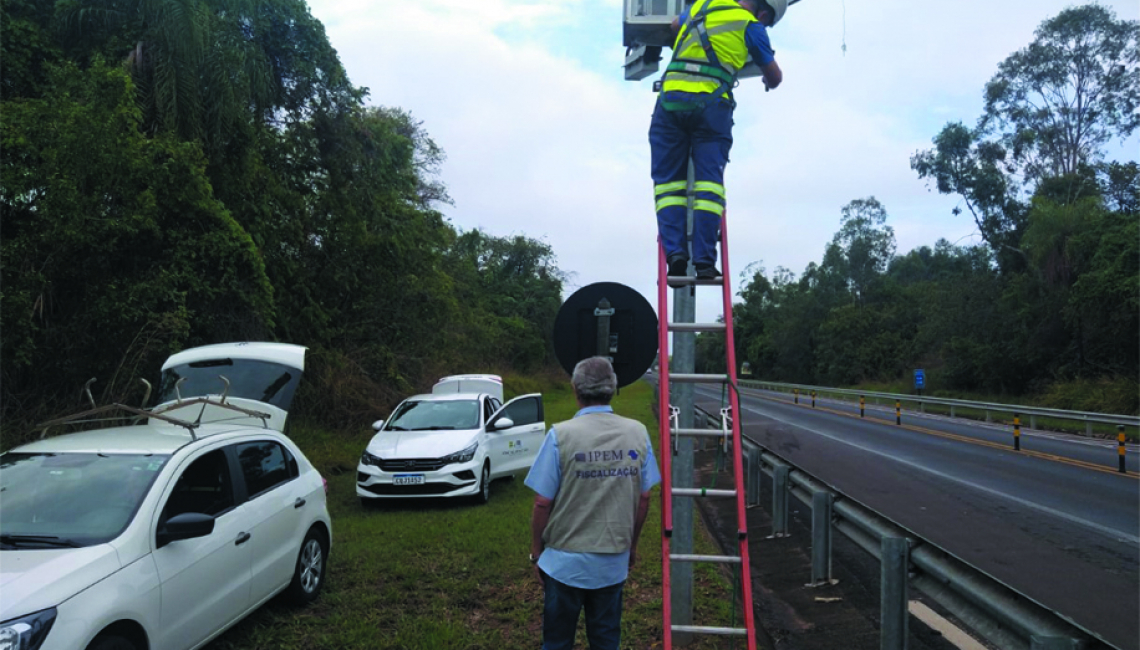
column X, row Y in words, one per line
column 1054, row 104
column 114, row 257
column 866, row 243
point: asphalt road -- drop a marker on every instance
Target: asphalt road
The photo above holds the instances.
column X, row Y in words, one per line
column 1055, row 521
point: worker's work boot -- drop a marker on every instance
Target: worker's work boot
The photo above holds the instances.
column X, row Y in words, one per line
column 677, row 266
column 707, row 272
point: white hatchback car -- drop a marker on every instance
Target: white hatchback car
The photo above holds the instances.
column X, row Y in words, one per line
column 453, row 442
column 165, row 533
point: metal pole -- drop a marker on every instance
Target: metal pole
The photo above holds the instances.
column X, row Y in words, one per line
column 797, row 393
column 862, row 405
column 894, row 599
column 813, row 399
column 1017, row 432
column 780, row 475
column 603, row 312
column 684, row 361
column 820, row 538
column 898, row 412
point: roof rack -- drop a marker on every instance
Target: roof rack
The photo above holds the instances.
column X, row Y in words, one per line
column 78, row 418
column 139, row 413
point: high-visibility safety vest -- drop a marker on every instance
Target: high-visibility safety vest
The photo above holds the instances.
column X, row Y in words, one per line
column 708, row 53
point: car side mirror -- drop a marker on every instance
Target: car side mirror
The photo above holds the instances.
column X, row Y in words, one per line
column 377, row 425
column 503, row 423
column 187, row 525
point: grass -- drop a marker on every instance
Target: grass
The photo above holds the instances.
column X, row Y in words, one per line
column 439, row 575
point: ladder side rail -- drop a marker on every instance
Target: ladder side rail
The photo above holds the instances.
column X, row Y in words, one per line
column 737, row 447
column 666, row 445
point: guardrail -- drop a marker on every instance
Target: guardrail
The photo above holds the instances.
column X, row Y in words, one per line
column 1089, row 418
column 999, row 613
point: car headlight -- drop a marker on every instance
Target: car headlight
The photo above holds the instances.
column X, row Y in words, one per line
column 461, row 456
column 27, row 632
column 365, row 459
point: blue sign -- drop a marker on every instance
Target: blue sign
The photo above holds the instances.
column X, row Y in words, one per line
column 920, row 378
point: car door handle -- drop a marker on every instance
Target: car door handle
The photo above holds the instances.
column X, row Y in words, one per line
column 299, row 502
column 241, row 539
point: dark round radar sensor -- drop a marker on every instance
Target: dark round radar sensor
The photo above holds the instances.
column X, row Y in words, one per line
column 607, row 319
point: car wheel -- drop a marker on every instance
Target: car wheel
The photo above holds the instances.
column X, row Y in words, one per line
column 309, row 574
column 484, row 485
column 111, row 642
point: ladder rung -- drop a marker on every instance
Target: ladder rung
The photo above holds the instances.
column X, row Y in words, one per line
column 696, row 327
column 702, row 492
column 698, row 379
column 701, row 629
column 724, row 559
column 700, row 433
column 688, row 279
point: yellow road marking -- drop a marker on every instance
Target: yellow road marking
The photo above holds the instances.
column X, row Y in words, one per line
column 973, row 441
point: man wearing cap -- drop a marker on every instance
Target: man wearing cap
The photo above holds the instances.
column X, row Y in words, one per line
column 693, row 118
column 591, row 479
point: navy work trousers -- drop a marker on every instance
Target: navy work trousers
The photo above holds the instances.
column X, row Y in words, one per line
column 704, row 134
column 563, row 604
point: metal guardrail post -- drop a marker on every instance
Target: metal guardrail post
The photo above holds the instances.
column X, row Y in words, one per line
column 898, row 412
column 813, row 399
column 821, row 538
column 893, row 594
column 1016, row 432
column 1032, row 421
column 755, row 475
column 951, row 410
column 780, row 485
column 988, row 418
column 797, row 396
column 862, row 405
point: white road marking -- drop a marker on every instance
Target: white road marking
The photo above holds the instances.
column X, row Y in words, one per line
column 952, row 633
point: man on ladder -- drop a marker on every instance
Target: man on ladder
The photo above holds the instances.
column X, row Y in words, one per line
column 693, row 118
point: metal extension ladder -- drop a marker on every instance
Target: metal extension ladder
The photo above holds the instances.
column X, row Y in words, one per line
column 671, row 431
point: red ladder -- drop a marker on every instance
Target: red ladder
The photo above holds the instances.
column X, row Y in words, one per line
column 670, row 432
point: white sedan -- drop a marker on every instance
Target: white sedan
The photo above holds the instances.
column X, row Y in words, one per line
column 450, row 444
column 164, row 534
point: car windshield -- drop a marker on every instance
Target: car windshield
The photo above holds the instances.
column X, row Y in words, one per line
column 272, row 383
column 66, row 500
column 433, row 415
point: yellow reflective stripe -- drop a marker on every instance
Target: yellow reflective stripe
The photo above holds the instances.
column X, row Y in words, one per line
column 669, row 187
column 708, row 206
column 709, row 186
column 671, row 201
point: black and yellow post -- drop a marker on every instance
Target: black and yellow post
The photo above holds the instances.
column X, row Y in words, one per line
column 898, row 412
column 797, row 391
column 813, row 399
column 1016, row 432
column 862, row 405
column 1120, row 447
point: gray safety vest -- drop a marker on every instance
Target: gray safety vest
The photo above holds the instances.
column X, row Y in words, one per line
column 600, row 455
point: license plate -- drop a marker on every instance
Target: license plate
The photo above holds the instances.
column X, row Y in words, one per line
column 408, row 479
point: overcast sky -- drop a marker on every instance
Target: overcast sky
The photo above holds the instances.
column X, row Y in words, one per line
column 544, row 137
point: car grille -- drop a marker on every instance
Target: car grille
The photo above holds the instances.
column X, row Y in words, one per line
column 427, row 489
column 412, row 464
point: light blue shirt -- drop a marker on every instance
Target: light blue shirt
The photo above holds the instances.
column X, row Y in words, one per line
column 582, row 570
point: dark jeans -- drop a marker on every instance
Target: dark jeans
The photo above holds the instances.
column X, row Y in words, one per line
column 706, row 135
column 562, row 605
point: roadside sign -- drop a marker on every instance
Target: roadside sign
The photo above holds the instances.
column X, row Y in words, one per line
column 919, row 379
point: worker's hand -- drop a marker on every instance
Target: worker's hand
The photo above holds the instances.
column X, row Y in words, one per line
column 541, row 577
column 632, row 557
